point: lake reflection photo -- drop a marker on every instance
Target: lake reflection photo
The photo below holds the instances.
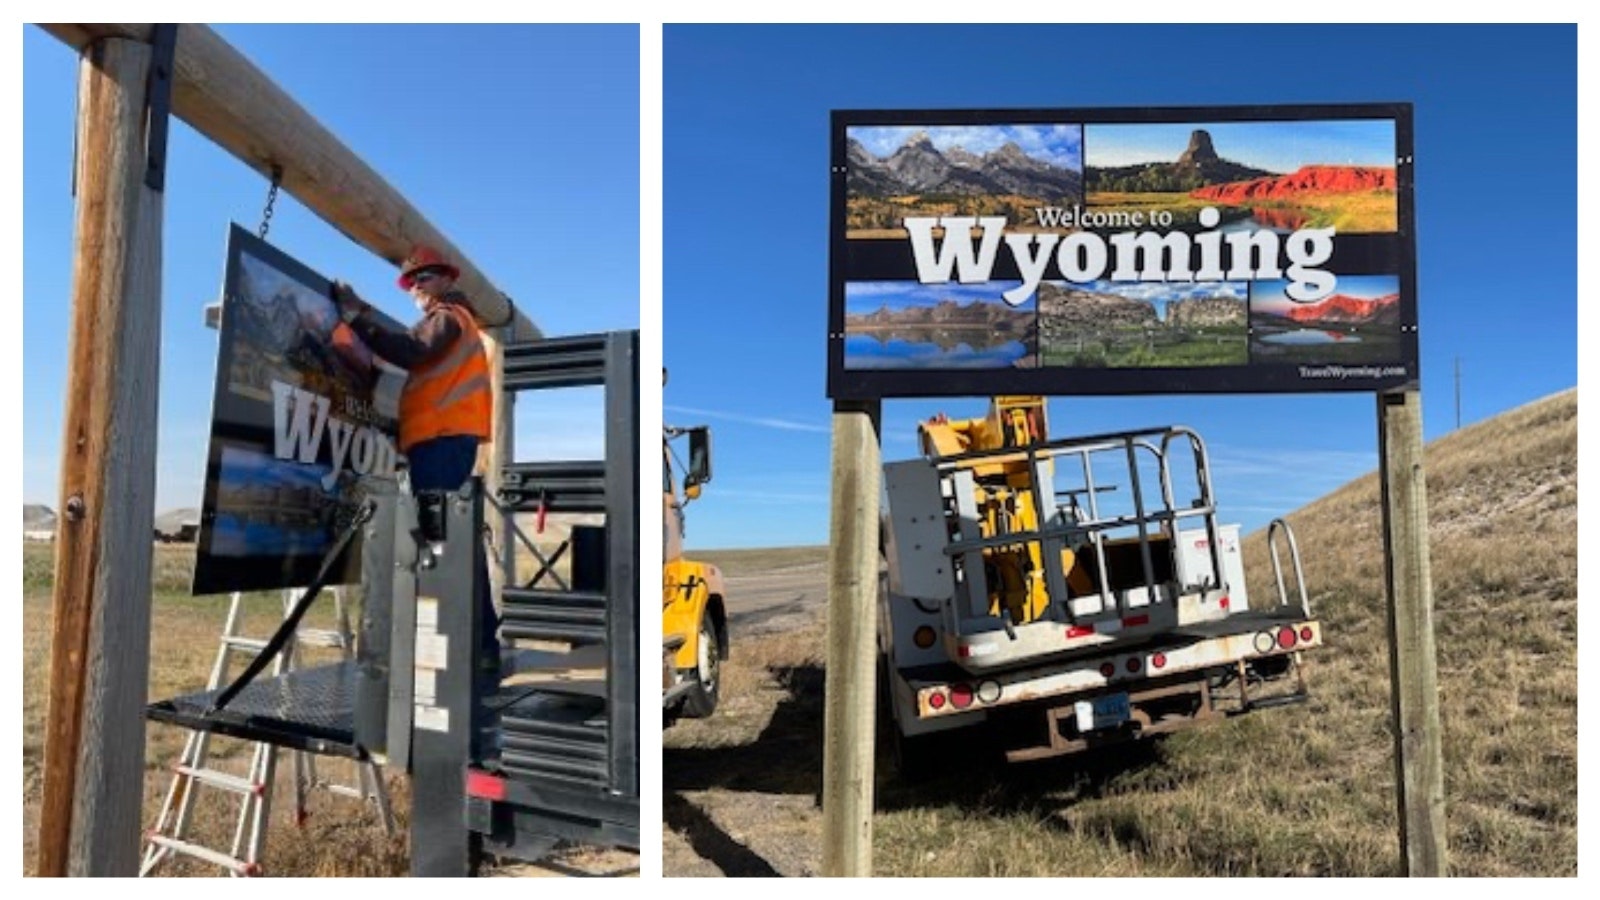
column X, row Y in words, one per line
column 909, row 325
column 1358, row 322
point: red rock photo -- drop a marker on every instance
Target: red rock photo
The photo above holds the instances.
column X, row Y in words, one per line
column 1306, row 181
column 1345, row 308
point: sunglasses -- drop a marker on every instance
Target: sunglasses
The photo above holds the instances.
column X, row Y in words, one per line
column 424, row 276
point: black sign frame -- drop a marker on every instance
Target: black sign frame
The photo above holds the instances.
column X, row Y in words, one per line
column 237, row 427
column 1386, row 254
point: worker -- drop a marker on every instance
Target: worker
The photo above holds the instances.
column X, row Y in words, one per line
column 444, row 408
column 445, row 404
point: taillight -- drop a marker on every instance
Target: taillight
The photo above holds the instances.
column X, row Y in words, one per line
column 936, row 700
column 961, row 695
column 1135, row 621
column 1223, row 603
column 1108, row 669
column 1285, row 638
column 482, row 784
column 1133, row 664
column 924, row 637
column 1265, row 641
column 988, row 692
column 1159, row 661
column 1306, row 634
column 1078, row 631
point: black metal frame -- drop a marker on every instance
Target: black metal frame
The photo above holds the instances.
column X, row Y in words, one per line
column 568, row 767
column 561, row 774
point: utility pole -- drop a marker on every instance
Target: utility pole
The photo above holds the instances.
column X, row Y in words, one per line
column 1458, row 393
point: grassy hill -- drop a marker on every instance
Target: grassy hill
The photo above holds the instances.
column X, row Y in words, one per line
column 1302, row 790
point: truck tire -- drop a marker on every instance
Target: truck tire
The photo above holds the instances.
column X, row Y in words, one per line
column 701, row 699
column 914, row 759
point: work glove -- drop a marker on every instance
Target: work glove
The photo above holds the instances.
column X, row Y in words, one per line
column 345, row 298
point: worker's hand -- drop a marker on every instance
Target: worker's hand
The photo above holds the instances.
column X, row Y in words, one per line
column 345, row 298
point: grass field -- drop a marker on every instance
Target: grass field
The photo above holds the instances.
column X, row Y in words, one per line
column 1305, row 790
column 1363, row 212
column 881, row 217
column 748, row 562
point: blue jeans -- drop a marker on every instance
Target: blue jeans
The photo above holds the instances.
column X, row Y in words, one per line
column 443, row 463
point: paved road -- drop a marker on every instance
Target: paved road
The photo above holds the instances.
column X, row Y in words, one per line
column 776, row 600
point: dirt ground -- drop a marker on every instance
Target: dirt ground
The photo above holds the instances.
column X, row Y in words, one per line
column 741, row 789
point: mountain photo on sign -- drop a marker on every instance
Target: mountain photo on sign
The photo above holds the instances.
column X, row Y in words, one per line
column 1359, row 323
column 1278, row 176
column 1143, row 324
column 908, row 325
column 290, row 333
column 958, row 170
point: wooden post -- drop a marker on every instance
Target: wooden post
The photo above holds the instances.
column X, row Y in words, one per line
column 1414, row 683
column 90, row 819
column 851, row 684
column 493, row 455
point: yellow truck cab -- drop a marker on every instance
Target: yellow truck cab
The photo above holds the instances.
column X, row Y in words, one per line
column 694, row 623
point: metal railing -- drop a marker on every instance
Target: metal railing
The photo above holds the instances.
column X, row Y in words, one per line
column 1061, row 525
column 1277, row 568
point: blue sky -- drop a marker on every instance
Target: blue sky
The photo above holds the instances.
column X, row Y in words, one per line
column 746, row 142
column 520, row 143
column 1272, row 146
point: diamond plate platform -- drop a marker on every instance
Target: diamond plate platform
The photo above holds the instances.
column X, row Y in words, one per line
column 309, row 709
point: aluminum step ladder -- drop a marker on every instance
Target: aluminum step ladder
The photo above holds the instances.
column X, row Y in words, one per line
column 170, row 836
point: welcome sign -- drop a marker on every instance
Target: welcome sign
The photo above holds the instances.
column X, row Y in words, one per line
column 1122, row 251
column 302, row 411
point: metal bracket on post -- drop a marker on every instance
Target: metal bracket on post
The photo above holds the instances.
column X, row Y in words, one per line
column 158, row 103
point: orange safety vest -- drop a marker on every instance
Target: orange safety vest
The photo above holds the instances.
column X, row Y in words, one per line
column 450, row 395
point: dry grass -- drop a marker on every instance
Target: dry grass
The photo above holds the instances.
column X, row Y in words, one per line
column 339, row 837
column 766, row 559
column 1305, row 790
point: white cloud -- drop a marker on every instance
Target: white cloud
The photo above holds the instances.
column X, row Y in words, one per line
column 774, row 498
column 760, row 421
column 1302, row 464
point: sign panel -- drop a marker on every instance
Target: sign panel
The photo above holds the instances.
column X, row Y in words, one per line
column 1121, row 251
column 302, row 411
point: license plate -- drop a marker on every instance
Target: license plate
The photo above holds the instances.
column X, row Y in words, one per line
column 1108, row 711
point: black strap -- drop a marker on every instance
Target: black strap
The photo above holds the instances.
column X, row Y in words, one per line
column 292, row 621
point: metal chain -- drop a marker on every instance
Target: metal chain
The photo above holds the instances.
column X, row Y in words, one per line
column 272, row 197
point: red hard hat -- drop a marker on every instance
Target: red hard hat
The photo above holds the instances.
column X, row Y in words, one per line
column 424, row 257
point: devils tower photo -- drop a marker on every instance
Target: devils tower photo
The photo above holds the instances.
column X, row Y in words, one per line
column 1266, row 175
